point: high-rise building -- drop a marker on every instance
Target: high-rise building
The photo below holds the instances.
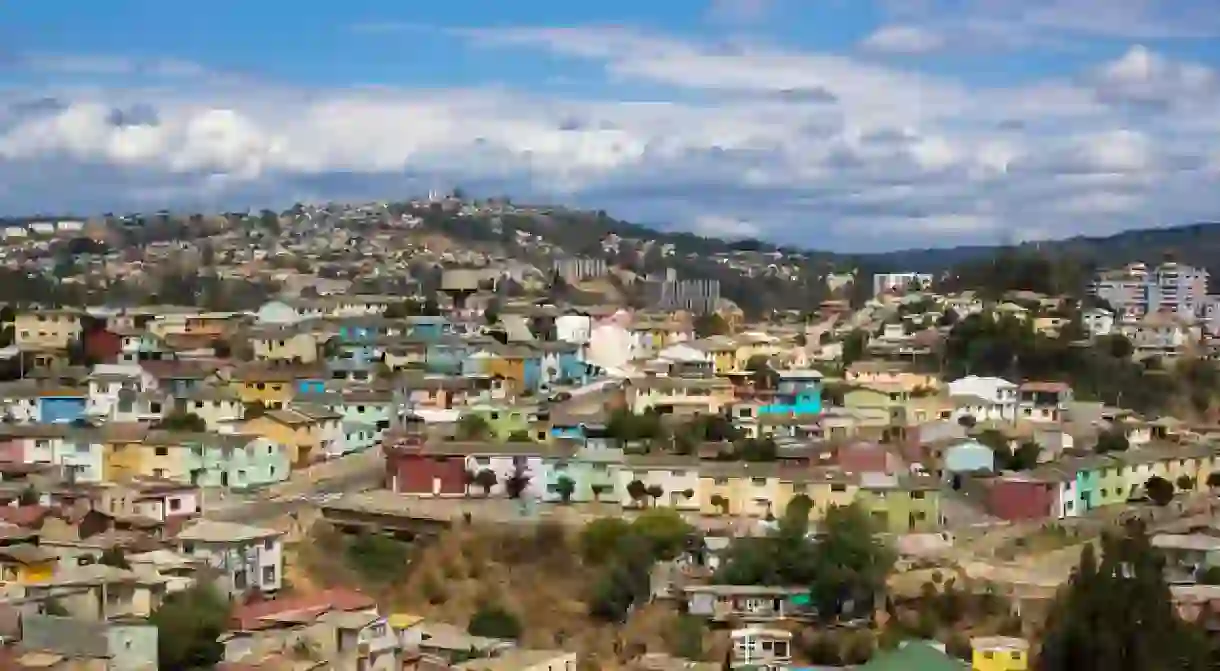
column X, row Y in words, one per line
column 1135, row 291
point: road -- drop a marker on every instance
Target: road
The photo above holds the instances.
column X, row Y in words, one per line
column 353, row 473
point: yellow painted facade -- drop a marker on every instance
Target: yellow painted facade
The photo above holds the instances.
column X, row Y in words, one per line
column 302, row 439
column 297, row 348
column 999, row 653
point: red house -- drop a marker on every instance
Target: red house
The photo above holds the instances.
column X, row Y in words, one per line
column 412, row 468
column 102, row 345
column 1017, row 497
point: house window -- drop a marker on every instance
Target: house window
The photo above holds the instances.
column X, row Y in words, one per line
column 154, row 407
column 198, row 404
column 917, row 495
column 269, row 544
column 162, row 451
column 758, row 482
column 838, row 488
column 268, row 574
column 188, row 548
column 158, row 472
column 175, row 504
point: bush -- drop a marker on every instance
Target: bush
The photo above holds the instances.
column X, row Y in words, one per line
column 492, row 621
column 193, row 621
column 378, row 558
column 600, row 538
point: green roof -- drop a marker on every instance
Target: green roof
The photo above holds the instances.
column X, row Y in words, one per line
column 914, row 656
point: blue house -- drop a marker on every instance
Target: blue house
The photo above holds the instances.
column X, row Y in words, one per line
column 446, row 357
column 309, row 385
column 62, row 408
column 427, row 328
column 799, row 392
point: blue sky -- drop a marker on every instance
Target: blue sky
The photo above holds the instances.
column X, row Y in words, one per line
column 843, row 124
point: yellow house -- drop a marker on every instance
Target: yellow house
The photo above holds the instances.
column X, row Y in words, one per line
column 754, row 344
column 46, row 329
column 722, row 350
column 876, row 395
column 26, row 563
column 300, row 434
column 999, row 653
column 679, row 395
column 123, row 450
column 270, row 385
column 826, row 489
column 284, row 344
column 736, row 488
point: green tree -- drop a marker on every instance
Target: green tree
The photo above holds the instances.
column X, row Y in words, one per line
column 565, row 487
column 486, row 479
column 1112, row 440
column 1159, row 490
column 664, row 530
column 492, row 621
column 29, row 497
column 472, row 427
column 854, row 347
column 191, row 623
column 711, row 324
column 113, row 556
column 1116, row 614
column 600, row 538
column 637, row 490
column 377, row 558
column 183, row 421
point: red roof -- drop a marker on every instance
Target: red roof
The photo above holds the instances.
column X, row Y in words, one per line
column 254, row 616
column 24, row 516
column 1052, row 387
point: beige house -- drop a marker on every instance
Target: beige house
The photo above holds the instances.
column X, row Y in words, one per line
column 46, row 329
column 284, row 344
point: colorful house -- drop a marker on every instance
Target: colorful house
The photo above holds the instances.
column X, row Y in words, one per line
column 675, row 476
column 899, row 504
column 236, row 461
column 302, row 435
column 799, row 393
column 999, row 653
column 284, row 344
column 506, row 420
column 61, row 406
column 27, row 564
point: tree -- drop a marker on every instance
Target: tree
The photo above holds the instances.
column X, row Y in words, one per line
column 472, row 427
column 711, row 324
column 1159, row 490
column 598, row 490
column 1116, row 614
column 113, row 556
column 1185, row 483
column 486, row 479
column 720, row 502
column 1111, row 440
column 600, row 538
column 29, row 497
column 565, row 487
column 854, row 347
column 516, row 484
column 183, row 421
column 664, row 530
column 1213, row 479
column 637, row 490
column 193, row 620
column 656, row 492
column 491, row 621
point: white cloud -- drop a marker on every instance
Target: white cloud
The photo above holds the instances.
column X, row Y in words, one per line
column 881, row 157
column 900, row 39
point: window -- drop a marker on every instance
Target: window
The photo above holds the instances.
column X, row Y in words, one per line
column 175, row 504
column 269, row 544
column 917, row 495
column 268, row 574
column 838, row 488
column 154, row 407
column 188, row 548
column 758, row 482
column 158, row 472
column 198, row 404
column 162, row 451
column 720, row 481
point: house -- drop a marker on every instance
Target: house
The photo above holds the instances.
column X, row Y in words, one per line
column 1187, row 555
column 505, row 421
column 504, row 460
column 304, row 436
column 26, row 563
column 216, row 406
column 799, row 393
column 46, row 329
column 121, row 645
column 61, row 406
column 247, row 558
column 760, row 647
column 1097, row 322
column 236, row 461
column 999, row 653
column 283, row 343
column 969, row 456
column 900, row 504
column 675, row 477
column 737, row 488
column 1044, row 401
column 998, row 397
column 517, row 659
column 592, row 467
column 669, row 395
column 98, row 592
column 751, row 603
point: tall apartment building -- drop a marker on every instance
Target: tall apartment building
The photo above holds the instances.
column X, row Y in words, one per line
column 1135, row 291
column 579, row 268
column 697, row 296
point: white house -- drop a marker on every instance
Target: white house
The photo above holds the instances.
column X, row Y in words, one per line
column 507, row 461
column 1097, row 322
column 247, row 559
column 997, row 397
column 574, row 328
column 674, row 475
column 610, row 344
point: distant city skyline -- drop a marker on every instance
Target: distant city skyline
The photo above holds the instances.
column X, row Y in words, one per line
column 851, row 126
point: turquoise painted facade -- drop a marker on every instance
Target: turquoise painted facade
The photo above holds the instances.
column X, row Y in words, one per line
column 799, row 393
column 236, row 461
column 588, row 468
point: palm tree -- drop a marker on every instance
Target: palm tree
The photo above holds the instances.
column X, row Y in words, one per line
column 637, row 490
column 565, row 487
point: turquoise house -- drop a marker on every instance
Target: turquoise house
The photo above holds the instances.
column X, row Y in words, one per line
column 428, row 328
column 236, row 461
column 593, row 473
column 799, row 393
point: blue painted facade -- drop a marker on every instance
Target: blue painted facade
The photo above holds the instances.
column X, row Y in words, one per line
column 429, row 329
column 532, row 367
column 445, row 358
column 358, row 437
column 309, row 385
column 61, row 409
column 798, row 393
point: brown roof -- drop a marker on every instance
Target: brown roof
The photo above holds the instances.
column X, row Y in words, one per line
column 1053, row 387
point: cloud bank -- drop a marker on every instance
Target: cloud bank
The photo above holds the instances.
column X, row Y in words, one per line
column 822, row 149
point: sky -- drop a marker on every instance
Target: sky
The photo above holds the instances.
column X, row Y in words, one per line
column 851, row 125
